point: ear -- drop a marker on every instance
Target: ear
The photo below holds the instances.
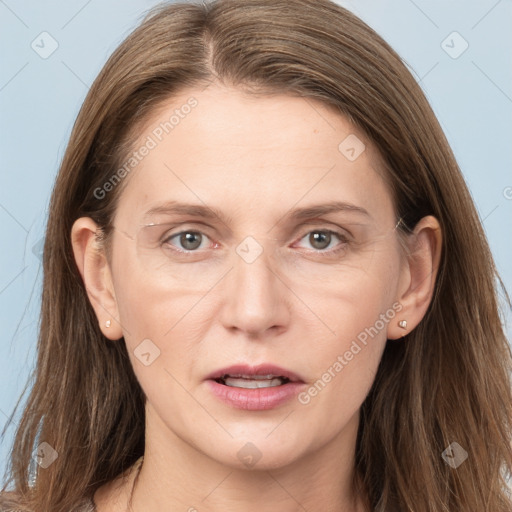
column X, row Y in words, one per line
column 96, row 275
column 418, row 275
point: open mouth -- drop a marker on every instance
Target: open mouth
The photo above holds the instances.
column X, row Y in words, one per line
column 252, row 381
column 255, row 387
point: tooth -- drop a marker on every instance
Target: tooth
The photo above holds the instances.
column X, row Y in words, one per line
column 253, row 383
column 250, row 377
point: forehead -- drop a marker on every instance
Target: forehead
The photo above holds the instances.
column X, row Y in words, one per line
column 225, row 147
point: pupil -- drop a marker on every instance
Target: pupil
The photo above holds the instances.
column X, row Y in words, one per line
column 322, row 237
column 191, row 240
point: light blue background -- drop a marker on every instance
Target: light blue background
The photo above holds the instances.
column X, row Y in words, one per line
column 39, row 100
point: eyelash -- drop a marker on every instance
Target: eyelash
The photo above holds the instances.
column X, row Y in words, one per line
column 343, row 242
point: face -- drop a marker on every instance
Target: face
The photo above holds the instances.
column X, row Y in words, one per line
column 256, row 277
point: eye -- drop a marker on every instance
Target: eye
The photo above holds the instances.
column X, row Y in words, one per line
column 321, row 239
column 188, row 240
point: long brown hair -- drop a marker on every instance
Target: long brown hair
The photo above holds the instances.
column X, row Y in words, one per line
column 449, row 380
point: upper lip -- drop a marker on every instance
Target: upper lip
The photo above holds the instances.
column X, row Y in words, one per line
column 248, row 371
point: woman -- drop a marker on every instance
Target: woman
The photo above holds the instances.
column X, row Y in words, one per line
column 266, row 285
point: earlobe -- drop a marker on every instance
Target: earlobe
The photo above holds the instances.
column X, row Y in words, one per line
column 418, row 277
column 96, row 275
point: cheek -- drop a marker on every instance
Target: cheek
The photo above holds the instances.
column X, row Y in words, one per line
column 163, row 321
column 357, row 307
column 347, row 299
column 153, row 299
column 357, row 317
column 156, row 329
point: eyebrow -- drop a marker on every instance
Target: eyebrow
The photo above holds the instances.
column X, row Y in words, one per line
column 208, row 212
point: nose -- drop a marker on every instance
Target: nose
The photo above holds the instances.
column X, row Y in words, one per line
column 256, row 297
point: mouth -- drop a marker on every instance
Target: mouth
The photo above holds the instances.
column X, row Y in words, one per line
column 254, row 377
column 252, row 382
column 255, row 388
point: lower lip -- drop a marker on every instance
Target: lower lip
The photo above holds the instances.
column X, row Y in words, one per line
column 259, row 399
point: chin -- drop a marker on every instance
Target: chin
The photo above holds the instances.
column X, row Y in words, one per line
column 258, row 453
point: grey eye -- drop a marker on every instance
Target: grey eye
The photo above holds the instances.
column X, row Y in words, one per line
column 188, row 240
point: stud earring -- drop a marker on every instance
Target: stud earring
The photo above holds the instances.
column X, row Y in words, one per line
column 108, row 324
column 403, row 324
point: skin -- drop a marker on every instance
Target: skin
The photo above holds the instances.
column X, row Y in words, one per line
column 254, row 159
